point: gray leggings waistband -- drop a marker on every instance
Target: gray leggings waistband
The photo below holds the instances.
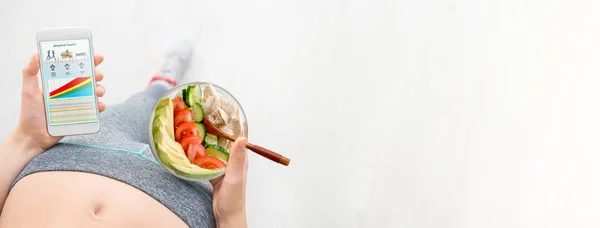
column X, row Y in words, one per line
column 135, row 168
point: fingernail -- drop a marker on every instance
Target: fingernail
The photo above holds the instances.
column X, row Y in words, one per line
column 242, row 142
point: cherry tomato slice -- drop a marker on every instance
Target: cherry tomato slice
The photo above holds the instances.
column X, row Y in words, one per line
column 178, row 104
column 208, row 162
column 185, row 141
column 182, row 116
column 187, row 128
column 195, row 150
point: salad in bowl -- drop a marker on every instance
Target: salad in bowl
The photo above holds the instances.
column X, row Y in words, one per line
column 178, row 137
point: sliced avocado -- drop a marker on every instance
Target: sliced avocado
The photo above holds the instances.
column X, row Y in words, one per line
column 162, row 122
column 162, row 112
column 162, row 103
column 194, row 171
column 172, row 152
column 165, row 112
column 169, row 158
column 164, row 159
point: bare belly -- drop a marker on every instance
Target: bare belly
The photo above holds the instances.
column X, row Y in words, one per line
column 74, row 199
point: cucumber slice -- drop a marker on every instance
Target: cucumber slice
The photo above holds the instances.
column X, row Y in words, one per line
column 194, row 95
column 200, row 131
column 211, row 139
column 217, row 152
column 197, row 112
column 184, row 95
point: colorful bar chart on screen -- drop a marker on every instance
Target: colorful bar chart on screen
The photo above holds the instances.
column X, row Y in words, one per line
column 71, row 100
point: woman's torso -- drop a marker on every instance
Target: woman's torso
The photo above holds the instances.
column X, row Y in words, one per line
column 76, row 199
column 79, row 185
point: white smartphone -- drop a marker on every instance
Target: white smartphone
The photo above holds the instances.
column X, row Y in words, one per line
column 68, row 80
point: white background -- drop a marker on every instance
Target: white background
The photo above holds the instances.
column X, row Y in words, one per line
column 431, row 113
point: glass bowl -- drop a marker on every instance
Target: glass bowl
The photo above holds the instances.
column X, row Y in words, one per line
column 221, row 92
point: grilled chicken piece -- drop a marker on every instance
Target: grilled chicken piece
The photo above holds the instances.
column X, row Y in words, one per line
column 222, row 141
column 209, row 99
column 236, row 126
column 218, row 117
column 227, row 106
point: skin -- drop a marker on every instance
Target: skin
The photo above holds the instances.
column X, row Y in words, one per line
column 89, row 200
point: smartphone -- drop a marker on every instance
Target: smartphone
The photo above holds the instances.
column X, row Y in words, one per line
column 68, row 80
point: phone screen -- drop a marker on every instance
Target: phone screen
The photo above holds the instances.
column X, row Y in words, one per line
column 67, row 71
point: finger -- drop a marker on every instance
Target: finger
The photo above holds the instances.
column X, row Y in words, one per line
column 30, row 80
column 238, row 162
column 98, row 59
column 101, row 106
column 32, row 66
column 100, row 90
column 99, row 75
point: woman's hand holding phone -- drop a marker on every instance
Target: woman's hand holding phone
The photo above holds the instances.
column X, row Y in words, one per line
column 31, row 130
column 31, row 137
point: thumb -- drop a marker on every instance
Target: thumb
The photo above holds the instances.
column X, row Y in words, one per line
column 30, row 80
column 238, row 160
